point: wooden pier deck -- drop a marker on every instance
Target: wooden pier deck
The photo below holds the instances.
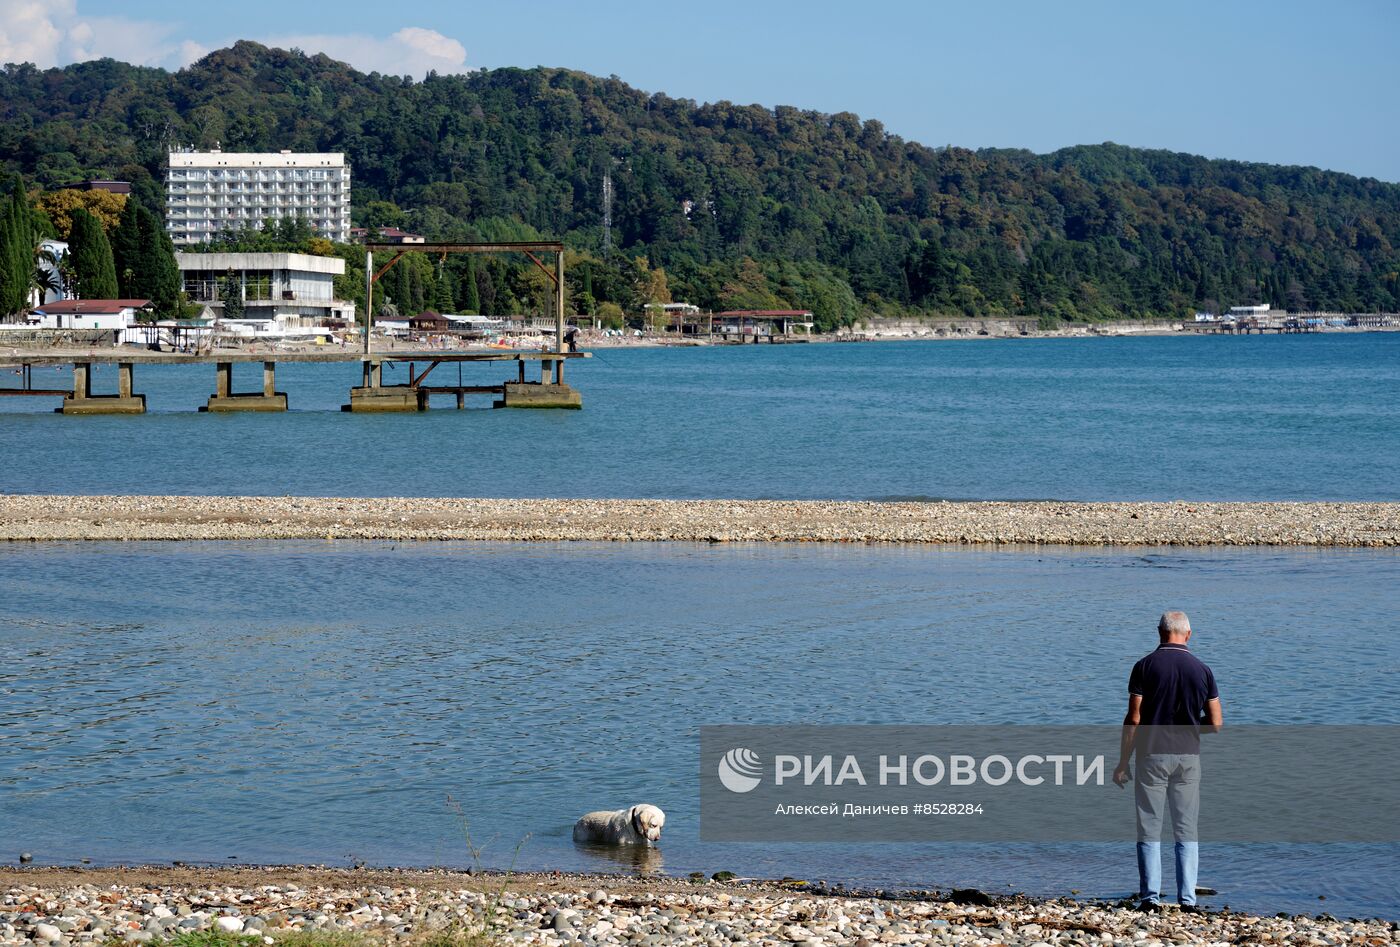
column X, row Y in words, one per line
column 550, row 391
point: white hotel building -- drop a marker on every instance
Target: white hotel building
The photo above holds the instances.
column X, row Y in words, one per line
column 207, row 192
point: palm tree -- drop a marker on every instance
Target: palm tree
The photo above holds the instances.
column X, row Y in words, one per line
column 45, row 277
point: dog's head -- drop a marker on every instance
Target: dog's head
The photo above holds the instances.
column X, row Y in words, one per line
column 647, row 821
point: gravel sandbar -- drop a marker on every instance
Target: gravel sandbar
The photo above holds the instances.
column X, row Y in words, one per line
column 49, row 517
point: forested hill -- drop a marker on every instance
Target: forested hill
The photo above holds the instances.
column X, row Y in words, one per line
column 742, row 205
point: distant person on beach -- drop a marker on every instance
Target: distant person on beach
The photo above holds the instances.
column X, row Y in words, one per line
column 1172, row 697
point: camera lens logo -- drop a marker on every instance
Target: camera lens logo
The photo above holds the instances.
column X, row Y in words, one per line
column 740, row 770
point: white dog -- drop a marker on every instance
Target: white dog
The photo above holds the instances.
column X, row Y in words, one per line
column 639, row 825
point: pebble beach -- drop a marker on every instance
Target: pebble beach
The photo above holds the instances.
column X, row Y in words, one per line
column 50, row 517
column 254, row 906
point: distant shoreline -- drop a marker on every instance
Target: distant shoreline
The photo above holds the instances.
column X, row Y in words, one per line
column 962, row 330
column 42, row 518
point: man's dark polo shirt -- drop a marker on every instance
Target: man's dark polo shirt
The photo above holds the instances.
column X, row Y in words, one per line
column 1175, row 687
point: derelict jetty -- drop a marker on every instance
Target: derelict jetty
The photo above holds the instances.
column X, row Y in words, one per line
column 548, row 391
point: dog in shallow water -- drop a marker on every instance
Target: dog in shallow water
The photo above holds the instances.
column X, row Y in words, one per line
column 639, row 825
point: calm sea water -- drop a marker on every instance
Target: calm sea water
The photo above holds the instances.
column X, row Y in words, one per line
column 295, row 702
column 276, row 702
column 1290, row 417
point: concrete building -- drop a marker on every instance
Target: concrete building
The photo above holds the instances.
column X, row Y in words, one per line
column 291, row 289
column 208, row 192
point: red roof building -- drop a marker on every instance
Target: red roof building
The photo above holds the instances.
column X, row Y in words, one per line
column 93, row 307
column 429, row 320
column 384, row 235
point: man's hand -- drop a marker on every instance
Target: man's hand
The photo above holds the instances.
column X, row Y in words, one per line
column 1126, row 746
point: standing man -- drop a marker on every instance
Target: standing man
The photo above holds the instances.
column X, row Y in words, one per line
column 1172, row 696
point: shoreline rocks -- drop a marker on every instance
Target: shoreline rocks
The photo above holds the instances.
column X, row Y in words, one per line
column 35, row 517
column 61, row 907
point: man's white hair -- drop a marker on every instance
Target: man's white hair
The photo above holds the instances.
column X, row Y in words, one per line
column 1173, row 624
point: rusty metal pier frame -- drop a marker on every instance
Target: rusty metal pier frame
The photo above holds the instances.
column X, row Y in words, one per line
column 549, row 392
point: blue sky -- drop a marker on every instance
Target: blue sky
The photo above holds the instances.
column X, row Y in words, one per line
column 1283, row 81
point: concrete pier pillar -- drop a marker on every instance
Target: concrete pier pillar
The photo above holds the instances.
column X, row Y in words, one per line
column 381, row 399
column 225, row 399
column 515, row 395
column 83, row 401
column 373, row 397
column 521, row 364
column 544, row 372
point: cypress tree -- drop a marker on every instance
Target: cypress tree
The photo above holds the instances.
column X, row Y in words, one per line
column 442, row 300
column 9, row 235
column 471, row 297
column 415, row 290
column 127, row 251
column 17, row 241
column 144, row 259
column 93, row 267
column 486, row 290
column 428, row 287
column 398, row 285
column 158, row 255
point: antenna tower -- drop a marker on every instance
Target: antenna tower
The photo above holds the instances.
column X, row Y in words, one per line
column 607, row 212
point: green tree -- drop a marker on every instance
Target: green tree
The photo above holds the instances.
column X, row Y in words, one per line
column 610, row 314
column 471, row 296
column 145, row 260
column 127, row 250
column 442, row 293
column 94, row 271
column 413, row 296
column 1091, row 232
column 159, row 275
column 231, row 295
column 750, row 289
column 17, row 241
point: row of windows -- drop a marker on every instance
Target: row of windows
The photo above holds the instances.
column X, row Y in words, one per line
column 207, row 207
column 182, row 227
column 264, row 189
column 228, row 201
column 246, row 174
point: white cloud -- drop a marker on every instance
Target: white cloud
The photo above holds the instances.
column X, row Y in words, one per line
column 54, row 33
column 29, row 31
column 411, row 51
